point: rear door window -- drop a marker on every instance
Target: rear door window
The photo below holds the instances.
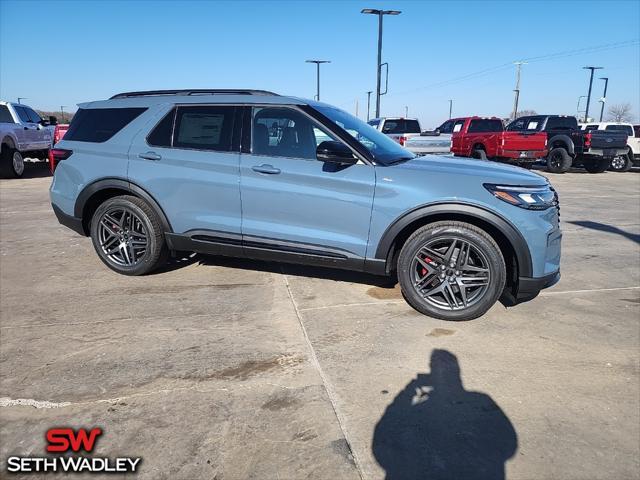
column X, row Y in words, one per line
column 33, row 115
column 98, row 125
column 628, row 129
column 5, row 115
column 162, row 134
column 484, row 126
column 562, row 123
column 204, row 127
column 411, row 126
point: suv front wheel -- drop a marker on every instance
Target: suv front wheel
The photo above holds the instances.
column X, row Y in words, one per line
column 451, row 270
column 127, row 235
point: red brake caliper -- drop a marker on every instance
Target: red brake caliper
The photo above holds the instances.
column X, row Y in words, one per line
column 424, row 270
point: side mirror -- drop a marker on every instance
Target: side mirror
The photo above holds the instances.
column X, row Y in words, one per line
column 335, row 152
column 53, row 120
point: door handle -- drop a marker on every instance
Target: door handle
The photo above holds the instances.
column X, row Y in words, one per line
column 265, row 168
column 150, row 156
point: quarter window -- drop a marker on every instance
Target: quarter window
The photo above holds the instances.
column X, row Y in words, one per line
column 204, row 128
column 98, row 125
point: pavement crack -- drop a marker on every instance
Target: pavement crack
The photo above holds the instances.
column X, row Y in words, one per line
column 325, row 381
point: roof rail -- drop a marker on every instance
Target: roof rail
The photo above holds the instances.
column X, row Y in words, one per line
column 205, row 91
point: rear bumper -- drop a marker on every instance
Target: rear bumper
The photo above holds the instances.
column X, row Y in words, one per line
column 605, row 152
column 524, row 155
column 69, row 221
column 529, row 288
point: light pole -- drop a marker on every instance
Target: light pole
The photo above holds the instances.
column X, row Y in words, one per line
column 380, row 13
column 406, row 112
column 604, row 95
column 586, row 113
column 62, row 112
column 450, row 108
column 517, row 89
column 368, row 103
column 21, row 98
column 318, row 62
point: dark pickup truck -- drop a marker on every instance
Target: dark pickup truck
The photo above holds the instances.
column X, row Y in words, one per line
column 569, row 146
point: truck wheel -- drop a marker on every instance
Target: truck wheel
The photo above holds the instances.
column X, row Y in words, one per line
column 597, row 166
column 11, row 163
column 451, row 270
column 479, row 154
column 127, row 236
column 622, row 163
column 558, row 160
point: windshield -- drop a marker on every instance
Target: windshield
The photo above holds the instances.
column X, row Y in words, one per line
column 382, row 148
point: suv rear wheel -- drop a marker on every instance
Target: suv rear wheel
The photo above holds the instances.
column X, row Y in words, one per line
column 451, row 270
column 128, row 236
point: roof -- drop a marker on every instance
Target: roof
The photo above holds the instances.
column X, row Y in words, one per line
column 196, row 96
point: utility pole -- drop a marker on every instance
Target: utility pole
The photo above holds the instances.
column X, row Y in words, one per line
column 586, row 113
column 406, row 112
column 450, row 108
column 368, row 103
column 517, row 89
column 318, row 62
column 380, row 13
column 21, row 98
column 604, row 95
column 62, row 112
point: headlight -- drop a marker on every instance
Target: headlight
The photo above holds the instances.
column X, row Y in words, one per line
column 531, row 198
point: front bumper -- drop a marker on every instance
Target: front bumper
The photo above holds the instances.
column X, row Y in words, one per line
column 69, row 221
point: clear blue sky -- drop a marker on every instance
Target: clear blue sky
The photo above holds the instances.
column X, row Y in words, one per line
column 62, row 53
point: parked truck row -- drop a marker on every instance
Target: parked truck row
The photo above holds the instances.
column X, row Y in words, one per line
column 558, row 140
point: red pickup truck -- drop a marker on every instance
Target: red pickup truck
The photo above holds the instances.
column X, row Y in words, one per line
column 58, row 133
column 485, row 138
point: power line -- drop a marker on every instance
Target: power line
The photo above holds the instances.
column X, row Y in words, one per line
column 508, row 65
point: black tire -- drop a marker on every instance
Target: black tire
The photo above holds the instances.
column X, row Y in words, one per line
column 598, row 165
column 417, row 265
column 125, row 234
column 11, row 163
column 558, row 160
column 623, row 163
column 479, row 153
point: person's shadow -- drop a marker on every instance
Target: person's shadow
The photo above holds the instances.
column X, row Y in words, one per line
column 435, row 429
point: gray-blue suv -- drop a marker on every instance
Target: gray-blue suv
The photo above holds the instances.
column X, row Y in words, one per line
column 254, row 174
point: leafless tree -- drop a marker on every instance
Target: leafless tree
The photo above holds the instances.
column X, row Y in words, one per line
column 525, row 113
column 619, row 113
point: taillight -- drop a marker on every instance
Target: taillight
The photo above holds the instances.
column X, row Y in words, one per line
column 402, row 140
column 587, row 140
column 60, row 154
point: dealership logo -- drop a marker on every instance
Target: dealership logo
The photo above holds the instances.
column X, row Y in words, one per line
column 68, row 441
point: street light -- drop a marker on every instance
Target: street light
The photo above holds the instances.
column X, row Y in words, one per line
column 318, row 62
column 604, row 95
column 380, row 13
column 586, row 113
column 368, row 103
column 62, row 112
column 450, row 108
column 21, row 98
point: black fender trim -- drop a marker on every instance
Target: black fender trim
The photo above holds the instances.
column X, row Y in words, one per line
column 514, row 237
column 566, row 139
column 121, row 184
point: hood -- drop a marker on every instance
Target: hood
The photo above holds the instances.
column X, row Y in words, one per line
column 486, row 171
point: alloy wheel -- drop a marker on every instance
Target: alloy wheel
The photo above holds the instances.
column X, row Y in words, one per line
column 618, row 163
column 18, row 163
column 450, row 273
column 122, row 236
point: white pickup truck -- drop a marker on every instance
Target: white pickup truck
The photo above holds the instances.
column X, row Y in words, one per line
column 621, row 163
column 408, row 133
column 23, row 133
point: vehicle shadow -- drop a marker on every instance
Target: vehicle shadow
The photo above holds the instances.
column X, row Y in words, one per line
column 603, row 227
column 35, row 170
column 435, row 429
column 298, row 270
